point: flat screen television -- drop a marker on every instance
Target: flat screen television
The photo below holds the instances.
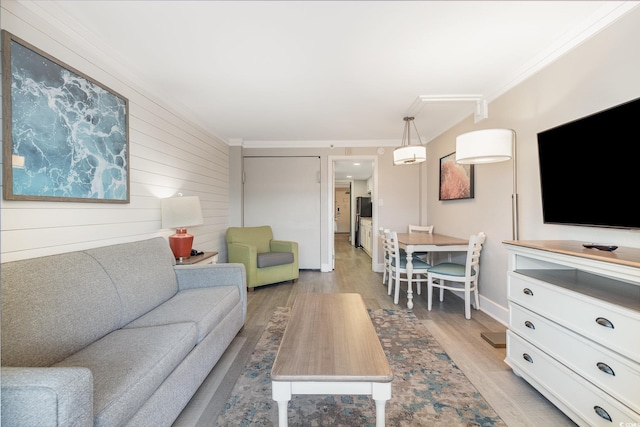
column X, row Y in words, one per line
column 590, row 169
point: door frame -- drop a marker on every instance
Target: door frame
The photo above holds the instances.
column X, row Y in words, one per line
column 331, row 190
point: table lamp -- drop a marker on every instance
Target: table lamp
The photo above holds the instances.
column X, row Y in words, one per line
column 180, row 213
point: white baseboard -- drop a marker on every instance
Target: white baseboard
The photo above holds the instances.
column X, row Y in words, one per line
column 498, row 312
column 493, row 310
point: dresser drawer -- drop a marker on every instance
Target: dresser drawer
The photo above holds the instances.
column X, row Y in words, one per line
column 611, row 326
column 581, row 400
column 609, row 371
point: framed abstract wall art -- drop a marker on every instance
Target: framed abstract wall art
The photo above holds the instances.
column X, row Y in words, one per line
column 456, row 181
column 65, row 136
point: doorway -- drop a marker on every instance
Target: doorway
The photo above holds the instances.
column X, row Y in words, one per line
column 369, row 186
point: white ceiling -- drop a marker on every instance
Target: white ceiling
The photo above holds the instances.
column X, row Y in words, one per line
column 321, row 73
column 347, row 170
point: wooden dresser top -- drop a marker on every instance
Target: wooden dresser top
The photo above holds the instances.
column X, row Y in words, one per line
column 622, row 255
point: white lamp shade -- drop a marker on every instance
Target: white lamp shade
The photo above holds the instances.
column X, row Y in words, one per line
column 409, row 154
column 180, row 212
column 485, row 146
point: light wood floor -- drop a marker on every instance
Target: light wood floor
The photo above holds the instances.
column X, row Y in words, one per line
column 517, row 403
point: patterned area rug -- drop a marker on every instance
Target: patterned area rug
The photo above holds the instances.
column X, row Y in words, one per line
column 428, row 389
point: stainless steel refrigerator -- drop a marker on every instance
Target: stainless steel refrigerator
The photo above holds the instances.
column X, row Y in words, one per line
column 363, row 210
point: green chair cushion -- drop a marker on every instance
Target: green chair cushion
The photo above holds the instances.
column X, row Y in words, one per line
column 269, row 259
column 451, row 269
column 417, row 263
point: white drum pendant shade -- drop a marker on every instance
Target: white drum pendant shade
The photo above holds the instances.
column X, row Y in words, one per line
column 484, row 146
column 409, row 154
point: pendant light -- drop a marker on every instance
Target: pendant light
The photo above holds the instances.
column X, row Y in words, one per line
column 408, row 154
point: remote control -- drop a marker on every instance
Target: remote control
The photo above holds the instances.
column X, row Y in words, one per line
column 608, row 248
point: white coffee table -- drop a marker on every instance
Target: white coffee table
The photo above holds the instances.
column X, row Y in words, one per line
column 330, row 347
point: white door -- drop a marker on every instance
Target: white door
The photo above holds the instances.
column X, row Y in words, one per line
column 342, row 210
column 284, row 192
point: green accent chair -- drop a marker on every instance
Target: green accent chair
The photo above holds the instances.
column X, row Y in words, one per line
column 266, row 260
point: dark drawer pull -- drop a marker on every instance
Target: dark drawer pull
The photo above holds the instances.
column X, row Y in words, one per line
column 529, row 324
column 602, row 413
column 605, row 368
column 526, row 357
column 528, row 291
column 604, row 322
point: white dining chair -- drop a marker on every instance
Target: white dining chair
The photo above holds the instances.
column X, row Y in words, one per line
column 398, row 267
column 420, row 228
column 461, row 277
column 424, row 256
column 386, row 259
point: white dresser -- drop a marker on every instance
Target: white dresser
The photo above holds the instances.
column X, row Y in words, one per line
column 574, row 328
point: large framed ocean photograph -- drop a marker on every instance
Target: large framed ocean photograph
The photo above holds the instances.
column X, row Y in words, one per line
column 65, row 135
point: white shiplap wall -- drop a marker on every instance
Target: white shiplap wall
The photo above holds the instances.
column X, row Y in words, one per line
column 168, row 154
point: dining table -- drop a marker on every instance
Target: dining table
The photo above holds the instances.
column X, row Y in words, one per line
column 426, row 242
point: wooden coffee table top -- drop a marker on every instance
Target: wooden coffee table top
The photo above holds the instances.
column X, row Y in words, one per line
column 330, row 337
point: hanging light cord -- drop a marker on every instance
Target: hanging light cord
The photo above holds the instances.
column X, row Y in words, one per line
column 407, row 131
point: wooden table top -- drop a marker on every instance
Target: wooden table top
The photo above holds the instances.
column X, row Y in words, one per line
column 430, row 239
column 330, row 337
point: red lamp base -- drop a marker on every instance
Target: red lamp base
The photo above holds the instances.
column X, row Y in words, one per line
column 181, row 243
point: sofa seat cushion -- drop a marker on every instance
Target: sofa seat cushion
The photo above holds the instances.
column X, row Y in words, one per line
column 206, row 307
column 128, row 365
column 269, row 259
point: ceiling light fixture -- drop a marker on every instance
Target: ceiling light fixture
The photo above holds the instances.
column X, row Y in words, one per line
column 481, row 111
column 408, row 154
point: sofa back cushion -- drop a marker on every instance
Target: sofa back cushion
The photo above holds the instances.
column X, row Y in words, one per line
column 260, row 237
column 142, row 273
column 54, row 306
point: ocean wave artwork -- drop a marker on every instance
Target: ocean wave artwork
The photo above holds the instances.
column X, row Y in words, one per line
column 69, row 134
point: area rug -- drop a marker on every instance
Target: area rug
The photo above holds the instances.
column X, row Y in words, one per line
column 428, row 389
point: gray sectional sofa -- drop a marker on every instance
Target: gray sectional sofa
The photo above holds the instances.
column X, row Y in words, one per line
column 113, row 336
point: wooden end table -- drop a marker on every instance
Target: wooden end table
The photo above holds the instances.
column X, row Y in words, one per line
column 330, row 347
column 204, row 258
